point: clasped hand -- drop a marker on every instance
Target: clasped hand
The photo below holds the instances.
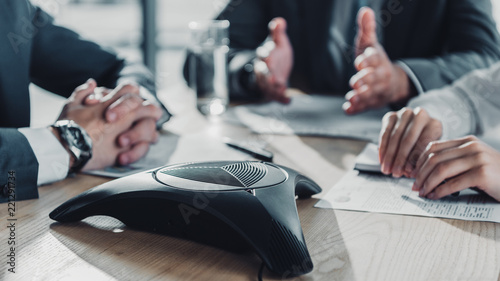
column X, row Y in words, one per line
column 120, row 123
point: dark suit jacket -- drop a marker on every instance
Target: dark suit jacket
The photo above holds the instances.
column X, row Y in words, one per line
column 33, row 49
column 439, row 40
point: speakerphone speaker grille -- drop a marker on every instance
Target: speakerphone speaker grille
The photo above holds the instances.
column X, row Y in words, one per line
column 247, row 173
column 204, row 174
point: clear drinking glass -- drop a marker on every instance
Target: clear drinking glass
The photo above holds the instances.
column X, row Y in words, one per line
column 208, row 73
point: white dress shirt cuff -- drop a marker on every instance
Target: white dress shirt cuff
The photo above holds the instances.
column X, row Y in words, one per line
column 53, row 159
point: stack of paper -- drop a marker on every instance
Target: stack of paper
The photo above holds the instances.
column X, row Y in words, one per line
column 367, row 160
column 381, row 194
column 310, row 115
column 374, row 192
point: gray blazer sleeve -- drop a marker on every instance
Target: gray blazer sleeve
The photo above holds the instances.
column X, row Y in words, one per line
column 470, row 42
column 17, row 155
column 61, row 60
column 470, row 106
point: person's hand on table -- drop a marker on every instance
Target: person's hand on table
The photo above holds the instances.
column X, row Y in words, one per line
column 274, row 63
column 141, row 134
column 378, row 81
column 403, row 138
column 130, row 110
column 463, row 163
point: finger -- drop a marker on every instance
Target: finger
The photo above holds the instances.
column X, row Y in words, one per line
column 143, row 131
column 96, row 96
column 356, row 100
column 371, row 88
column 128, row 88
column 273, row 90
column 388, row 122
column 365, row 76
column 120, row 91
column 443, row 170
column 103, row 91
column 135, row 153
column 437, row 146
column 409, row 140
column 83, row 91
column 369, row 58
column 91, row 99
column 438, row 163
column 431, row 132
column 456, row 184
column 277, row 30
column 146, row 110
column 376, row 95
column 124, row 105
column 405, row 116
column 367, row 26
column 279, row 92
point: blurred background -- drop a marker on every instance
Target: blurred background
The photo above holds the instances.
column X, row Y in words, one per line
column 118, row 24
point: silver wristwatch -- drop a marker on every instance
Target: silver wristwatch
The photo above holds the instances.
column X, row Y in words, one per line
column 77, row 140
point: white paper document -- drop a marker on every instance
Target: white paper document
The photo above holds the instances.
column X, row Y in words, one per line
column 173, row 149
column 367, row 160
column 310, row 115
column 382, row 194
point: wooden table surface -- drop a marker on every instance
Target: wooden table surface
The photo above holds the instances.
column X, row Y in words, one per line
column 343, row 245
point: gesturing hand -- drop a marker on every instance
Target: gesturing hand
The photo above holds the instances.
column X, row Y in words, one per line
column 276, row 61
column 463, row 163
column 378, row 81
column 404, row 136
column 104, row 135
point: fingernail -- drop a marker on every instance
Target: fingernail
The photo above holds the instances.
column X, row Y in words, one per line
column 349, row 95
column 409, row 170
column 414, row 187
column 355, row 99
column 387, row 170
column 124, row 159
column 421, row 192
column 272, row 25
column 125, row 141
column 431, row 195
column 397, row 172
column 111, row 116
column 346, row 106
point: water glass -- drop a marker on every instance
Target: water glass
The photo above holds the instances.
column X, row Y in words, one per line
column 208, row 70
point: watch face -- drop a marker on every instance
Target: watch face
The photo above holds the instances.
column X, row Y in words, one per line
column 78, row 139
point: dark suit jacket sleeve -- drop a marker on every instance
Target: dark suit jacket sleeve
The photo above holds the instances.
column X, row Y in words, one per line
column 248, row 29
column 16, row 155
column 62, row 60
column 472, row 43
